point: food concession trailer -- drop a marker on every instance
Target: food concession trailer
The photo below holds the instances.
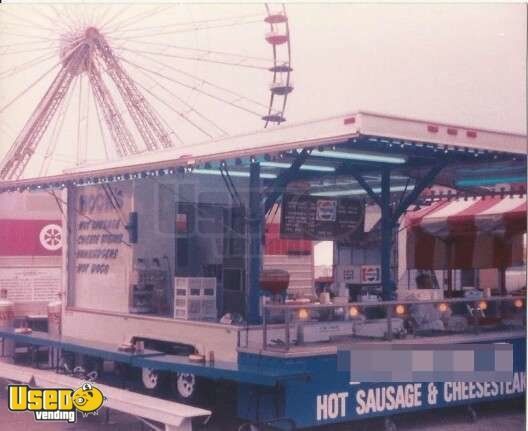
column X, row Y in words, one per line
column 163, row 266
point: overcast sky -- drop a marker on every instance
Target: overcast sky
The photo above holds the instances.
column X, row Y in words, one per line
column 454, row 63
column 464, row 64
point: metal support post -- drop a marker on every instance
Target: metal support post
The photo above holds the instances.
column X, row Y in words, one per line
column 265, row 329
column 387, row 225
column 389, row 322
column 502, row 281
column 256, row 220
column 287, row 328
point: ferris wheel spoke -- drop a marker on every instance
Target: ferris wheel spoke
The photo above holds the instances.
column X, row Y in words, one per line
column 83, row 120
column 85, row 16
column 99, row 17
column 100, row 121
column 66, row 12
column 205, row 51
column 35, row 82
column 189, row 23
column 89, row 16
column 168, row 105
column 203, row 81
column 24, row 22
column 167, row 125
column 27, row 36
column 24, row 66
column 79, row 108
column 60, row 18
column 87, row 127
column 32, row 43
column 54, row 135
column 196, row 88
column 51, row 20
column 182, row 115
column 200, row 59
column 138, row 17
column 25, row 51
column 57, row 19
column 183, row 102
column 29, row 87
column 103, row 24
column 8, row 129
column 18, row 26
column 62, row 158
column 187, row 30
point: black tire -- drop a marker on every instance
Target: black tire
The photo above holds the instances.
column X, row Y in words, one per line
column 122, row 371
column 67, row 362
column 93, row 366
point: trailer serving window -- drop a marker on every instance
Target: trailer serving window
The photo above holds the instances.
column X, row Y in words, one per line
column 189, row 261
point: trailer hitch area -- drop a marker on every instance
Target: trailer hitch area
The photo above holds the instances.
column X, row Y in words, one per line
column 206, row 421
column 79, row 372
column 472, row 414
column 389, row 425
column 279, row 424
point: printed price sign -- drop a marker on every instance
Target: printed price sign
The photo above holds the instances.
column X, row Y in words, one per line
column 316, row 218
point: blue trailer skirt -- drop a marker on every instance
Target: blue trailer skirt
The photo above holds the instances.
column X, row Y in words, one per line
column 327, row 396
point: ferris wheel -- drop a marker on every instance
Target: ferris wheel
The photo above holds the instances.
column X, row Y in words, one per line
column 81, row 83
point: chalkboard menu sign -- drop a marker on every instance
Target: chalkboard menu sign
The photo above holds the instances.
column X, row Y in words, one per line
column 321, row 218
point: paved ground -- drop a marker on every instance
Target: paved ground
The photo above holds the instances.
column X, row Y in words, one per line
column 498, row 416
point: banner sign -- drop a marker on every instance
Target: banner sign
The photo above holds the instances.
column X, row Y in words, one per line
column 30, row 237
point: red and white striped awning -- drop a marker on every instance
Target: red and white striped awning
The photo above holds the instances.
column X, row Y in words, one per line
column 472, row 233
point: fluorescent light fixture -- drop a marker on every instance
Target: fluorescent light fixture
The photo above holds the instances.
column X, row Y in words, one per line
column 231, row 173
column 366, row 157
column 352, row 181
column 352, row 192
column 283, row 165
column 468, row 182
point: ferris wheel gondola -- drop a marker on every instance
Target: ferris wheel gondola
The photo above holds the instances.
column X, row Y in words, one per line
column 279, row 38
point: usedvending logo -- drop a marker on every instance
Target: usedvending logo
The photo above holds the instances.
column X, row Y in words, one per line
column 55, row 404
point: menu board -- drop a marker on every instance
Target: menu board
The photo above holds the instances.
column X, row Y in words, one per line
column 318, row 218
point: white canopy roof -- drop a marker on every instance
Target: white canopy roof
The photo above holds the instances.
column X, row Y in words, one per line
column 329, row 131
column 338, row 129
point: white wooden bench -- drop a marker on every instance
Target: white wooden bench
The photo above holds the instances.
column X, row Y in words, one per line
column 174, row 416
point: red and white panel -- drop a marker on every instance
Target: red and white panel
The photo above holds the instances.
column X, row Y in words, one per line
column 30, row 237
column 473, row 233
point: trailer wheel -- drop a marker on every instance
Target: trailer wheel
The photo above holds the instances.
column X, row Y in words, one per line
column 151, row 379
column 185, row 385
column 190, row 389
